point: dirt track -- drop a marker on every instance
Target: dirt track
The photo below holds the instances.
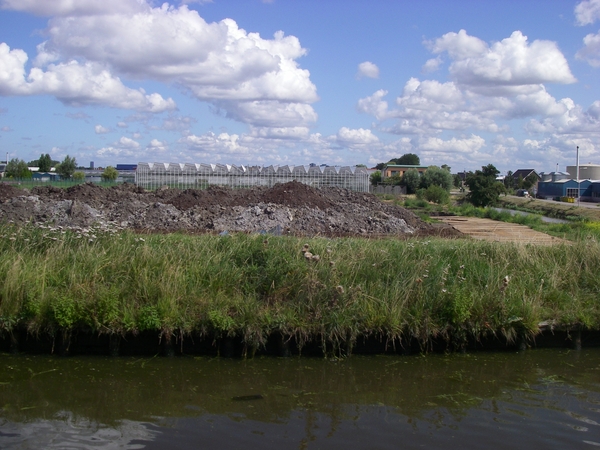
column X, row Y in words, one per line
column 292, row 208
column 491, row 230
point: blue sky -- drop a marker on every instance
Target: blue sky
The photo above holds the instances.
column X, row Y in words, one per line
column 462, row 83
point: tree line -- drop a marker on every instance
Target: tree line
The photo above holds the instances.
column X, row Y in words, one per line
column 66, row 169
column 435, row 183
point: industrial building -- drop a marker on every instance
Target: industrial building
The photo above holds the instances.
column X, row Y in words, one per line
column 563, row 188
column 567, row 186
column 586, row 171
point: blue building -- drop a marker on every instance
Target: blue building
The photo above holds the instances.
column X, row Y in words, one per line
column 567, row 188
column 593, row 193
column 126, row 167
column 45, row 176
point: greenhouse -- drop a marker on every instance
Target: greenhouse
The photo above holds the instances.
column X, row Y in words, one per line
column 198, row 176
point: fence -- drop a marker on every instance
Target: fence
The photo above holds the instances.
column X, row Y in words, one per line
column 184, row 176
column 388, row 189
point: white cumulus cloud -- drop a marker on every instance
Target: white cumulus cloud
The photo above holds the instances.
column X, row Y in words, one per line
column 211, row 143
column 367, row 70
column 591, row 50
column 374, row 105
column 112, row 153
column 270, row 113
column 491, row 85
column 73, row 83
column 157, row 147
column 510, row 62
column 432, row 65
column 73, row 7
column 92, row 45
column 296, row 133
column 587, row 12
column 126, row 142
column 468, row 145
column 573, row 121
column 218, row 62
column 356, row 139
column 99, row 129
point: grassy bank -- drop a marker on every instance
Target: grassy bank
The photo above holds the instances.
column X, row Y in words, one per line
column 250, row 286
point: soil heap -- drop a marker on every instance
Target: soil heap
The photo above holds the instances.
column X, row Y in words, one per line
column 291, row 208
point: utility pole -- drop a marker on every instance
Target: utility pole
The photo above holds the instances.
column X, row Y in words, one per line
column 578, row 184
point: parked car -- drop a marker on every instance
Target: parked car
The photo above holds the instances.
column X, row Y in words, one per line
column 522, row 193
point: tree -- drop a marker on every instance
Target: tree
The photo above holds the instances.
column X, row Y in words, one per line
column 17, row 168
column 408, row 159
column 483, row 187
column 457, row 180
column 67, row 167
column 45, row 163
column 78, row 176
column 110, row 174
column 446, row 167
column 375, row 178
column 509, row 180
column 411, row 179
column 530, row 180
column 436, row 176
column 490, row 171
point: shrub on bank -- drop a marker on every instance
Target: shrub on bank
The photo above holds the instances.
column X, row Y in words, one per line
column 434, row 194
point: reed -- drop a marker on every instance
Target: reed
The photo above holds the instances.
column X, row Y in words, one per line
column 334, row 291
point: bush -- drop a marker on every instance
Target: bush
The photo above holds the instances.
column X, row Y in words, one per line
column 110, row 174
column 436, row 194
column 419, row 202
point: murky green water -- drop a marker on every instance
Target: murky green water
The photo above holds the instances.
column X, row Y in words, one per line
column 533, row 399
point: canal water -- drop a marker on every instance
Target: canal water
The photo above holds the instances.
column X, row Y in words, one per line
column 523, row 213
column 518, row 400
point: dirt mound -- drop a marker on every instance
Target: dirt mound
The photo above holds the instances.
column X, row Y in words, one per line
column 297, row 194
column 8, row 191
column 92, row 194
column 290, row 208
column 293, row 194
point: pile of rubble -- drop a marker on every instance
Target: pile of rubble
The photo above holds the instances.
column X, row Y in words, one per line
column 291, row 208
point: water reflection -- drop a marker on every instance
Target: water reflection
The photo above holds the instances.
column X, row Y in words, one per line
column 523, row 213
column 65, row 431
column 479, row 400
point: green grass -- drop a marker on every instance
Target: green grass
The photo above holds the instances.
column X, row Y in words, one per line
column 247, row 286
